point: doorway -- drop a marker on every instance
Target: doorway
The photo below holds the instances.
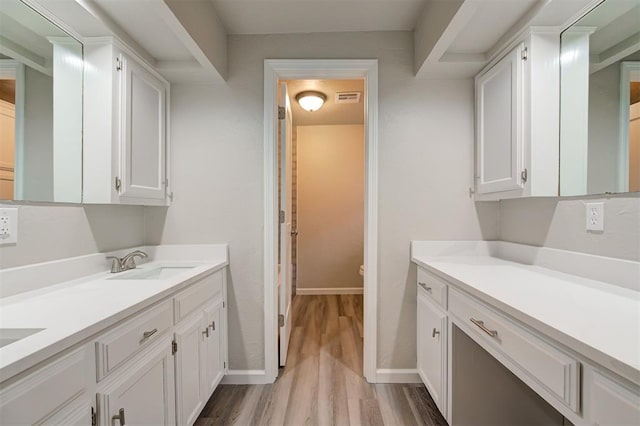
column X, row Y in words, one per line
column 276, row 70
column 321, row 198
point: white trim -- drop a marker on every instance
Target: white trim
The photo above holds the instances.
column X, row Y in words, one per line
column 334, row 290
column 366, row 69
column 398, row 375
column 245, row 377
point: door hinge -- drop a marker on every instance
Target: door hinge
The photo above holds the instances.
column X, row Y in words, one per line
column 280, row 320
column 224, row 364
column 525, row 54
column 281, row 216
column 281, row 113
column 94, row 417
column 118, row 64
column 524, row 175
column 174, row 347
column 223, row 305
column 118, row 183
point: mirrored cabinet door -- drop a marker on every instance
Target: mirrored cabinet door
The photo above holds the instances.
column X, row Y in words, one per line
column 600, row 101
column 41, row 70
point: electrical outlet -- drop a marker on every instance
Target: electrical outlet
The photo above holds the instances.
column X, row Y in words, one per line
column 595, row 216
column 8, row 226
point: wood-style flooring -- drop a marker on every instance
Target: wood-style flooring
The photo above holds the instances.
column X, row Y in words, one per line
column 322, row 381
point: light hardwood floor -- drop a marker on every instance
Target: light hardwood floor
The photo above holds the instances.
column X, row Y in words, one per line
column 322, row 381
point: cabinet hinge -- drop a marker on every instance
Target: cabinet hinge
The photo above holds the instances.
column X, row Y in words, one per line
column 525, row 54
column 223, row 305
column 166, row 183
column 524, row 175
column 94, row 417
column 174, row 347
column 280, row 320
column 281, row 216
column 224, row 364
column 118, row 183
column 281, row 113
column 118, row 64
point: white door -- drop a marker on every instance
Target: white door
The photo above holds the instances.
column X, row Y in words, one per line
column 285, row 287
column 213, row 358
column 190, row 337
column 143, row 146
column 499, row 130
column 431, row 332
column 144, row 397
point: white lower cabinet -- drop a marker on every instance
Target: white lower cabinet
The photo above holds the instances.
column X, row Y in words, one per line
column 190, row 339
column 214, row 354
column 432, row 348
column 199, row 359
column 56, row 393
column 608, row 402
column 143, row 392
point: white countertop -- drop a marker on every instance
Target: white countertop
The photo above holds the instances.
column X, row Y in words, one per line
column 73, row 311
column 601, row 321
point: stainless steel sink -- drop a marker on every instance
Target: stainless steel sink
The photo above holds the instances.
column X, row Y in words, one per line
column 158, row 273
column 11, row 335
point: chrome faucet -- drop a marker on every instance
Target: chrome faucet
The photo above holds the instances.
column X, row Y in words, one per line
column 126, row 262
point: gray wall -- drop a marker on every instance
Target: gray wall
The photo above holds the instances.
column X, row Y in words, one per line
column 425, row 139
column 50, row 232
column 560, row 223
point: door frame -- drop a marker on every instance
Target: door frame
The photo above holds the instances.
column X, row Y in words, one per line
column 320, row 69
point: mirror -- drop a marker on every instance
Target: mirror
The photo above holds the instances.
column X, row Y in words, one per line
column 41, row 70
column 600, row 101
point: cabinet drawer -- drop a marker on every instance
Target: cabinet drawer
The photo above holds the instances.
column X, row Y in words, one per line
column 195, row 296
column 41, row 395
column 555, row 371
column 434, row 287
column 118, row 345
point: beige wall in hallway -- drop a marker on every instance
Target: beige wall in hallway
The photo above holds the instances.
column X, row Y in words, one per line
column 330, row 206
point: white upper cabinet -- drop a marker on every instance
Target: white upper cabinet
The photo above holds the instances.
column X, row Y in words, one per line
column 125, row 122
column 517, row 120
column 499, row 162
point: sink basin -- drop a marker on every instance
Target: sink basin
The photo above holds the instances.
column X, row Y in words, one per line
column 159, row 273
column 11, row 335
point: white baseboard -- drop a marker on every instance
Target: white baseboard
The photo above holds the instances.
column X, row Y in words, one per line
column 397, row 375
column 245, row 377
column 321, row 291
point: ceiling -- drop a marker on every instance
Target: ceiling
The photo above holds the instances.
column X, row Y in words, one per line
column 331, row 112
column 317, row 16
column 185, row 40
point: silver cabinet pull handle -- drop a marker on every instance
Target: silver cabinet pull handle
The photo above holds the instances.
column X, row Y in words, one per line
column 435, row 333
column 206, row 332
column 480, row 324
column 120, row 416
column 424, row 285
column 148, row 334
column 213, row 326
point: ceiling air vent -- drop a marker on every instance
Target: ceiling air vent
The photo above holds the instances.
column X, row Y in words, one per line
column 348, row 97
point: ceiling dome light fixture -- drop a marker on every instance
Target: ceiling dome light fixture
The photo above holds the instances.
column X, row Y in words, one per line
column 311, row 100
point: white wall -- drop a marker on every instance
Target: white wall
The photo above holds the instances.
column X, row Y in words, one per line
column 426, row 140
column 560, row 223
column 50, row 232
column 330, row 215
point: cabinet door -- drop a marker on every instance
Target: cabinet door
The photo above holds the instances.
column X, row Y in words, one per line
column 190, row 397
column 143, row 132
column 145, row 394
column 432, row 347
column 609, row 403
column 213, row 347
column 499, row 126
